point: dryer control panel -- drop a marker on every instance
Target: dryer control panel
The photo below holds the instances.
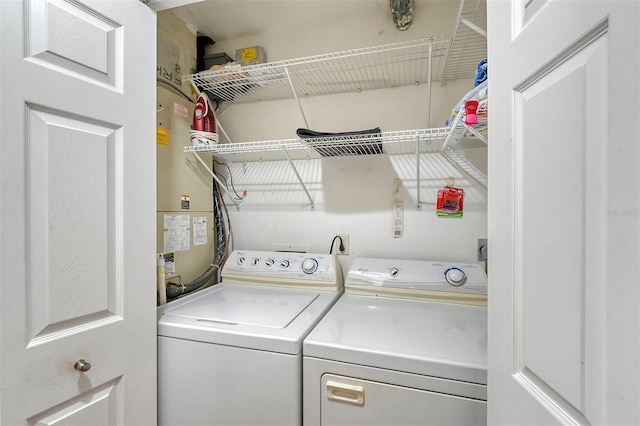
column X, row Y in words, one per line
column 417, row 279
column 308, row 270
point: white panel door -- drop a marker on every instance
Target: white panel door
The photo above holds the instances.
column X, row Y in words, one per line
column 77, row 169
column 564, row 323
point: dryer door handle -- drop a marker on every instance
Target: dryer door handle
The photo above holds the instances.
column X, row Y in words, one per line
column 345, row 392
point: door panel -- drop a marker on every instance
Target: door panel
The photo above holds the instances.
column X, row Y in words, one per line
column 563, row 152
column 75, row 39
column 102, row 405
column 74, row 222
column 77, row 216
column 563, row 221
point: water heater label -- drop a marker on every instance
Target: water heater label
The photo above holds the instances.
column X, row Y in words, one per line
column 162, row 136
column 180, row 110
column 177, row 231
column 184, row 202
column 199, row 231
column 169, row 264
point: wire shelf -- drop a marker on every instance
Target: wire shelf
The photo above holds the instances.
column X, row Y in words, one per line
column 389, row 65
column 462, row 135
column 468, row 45
column 392, row 143
column 458, row 159
column 392, row 65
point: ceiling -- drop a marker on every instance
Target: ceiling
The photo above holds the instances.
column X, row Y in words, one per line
column 232, row 19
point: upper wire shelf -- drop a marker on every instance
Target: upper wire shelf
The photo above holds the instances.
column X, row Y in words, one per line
column 469, row 41
column 392, row 143
column 389, row 65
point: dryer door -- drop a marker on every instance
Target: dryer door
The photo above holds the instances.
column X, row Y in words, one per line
column 352, row 402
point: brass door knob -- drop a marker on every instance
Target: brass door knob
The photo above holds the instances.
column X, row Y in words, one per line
column 82, row 365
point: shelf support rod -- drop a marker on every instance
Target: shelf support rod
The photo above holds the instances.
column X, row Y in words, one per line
column 293, row 89
column 313, row 206
column 213, row 175
column 429, row 87
column 474, row 27
column 219, row 126
column 419, row 203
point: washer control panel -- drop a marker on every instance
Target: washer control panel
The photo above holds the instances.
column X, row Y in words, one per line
column 255, row 266
column 418, row 275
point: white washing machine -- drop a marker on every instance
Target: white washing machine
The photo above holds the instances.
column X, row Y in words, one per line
column 388, row 354
column 231, row 354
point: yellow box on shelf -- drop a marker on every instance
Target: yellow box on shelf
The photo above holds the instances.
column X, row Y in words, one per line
column 251, row 55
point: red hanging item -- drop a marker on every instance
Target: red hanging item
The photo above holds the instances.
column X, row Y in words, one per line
column 450, row 201
column 471, row 109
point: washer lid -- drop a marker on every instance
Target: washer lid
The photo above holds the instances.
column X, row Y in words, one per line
column 246, row 305
column 421, row 337
column 249, row 316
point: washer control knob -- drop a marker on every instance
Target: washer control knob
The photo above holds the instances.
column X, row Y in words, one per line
column 309, row 265
column 241, row 260
column 255, row 261
column 284, row 263
column 394, row 272
column 455, row 276
column 270, row 262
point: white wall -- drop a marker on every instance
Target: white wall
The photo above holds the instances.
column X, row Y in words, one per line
column 352, row 194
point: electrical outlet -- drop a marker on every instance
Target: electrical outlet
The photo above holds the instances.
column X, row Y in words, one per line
column 482, row 250
column 345, row 242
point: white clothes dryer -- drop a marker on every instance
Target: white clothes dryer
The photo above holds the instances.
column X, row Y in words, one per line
column 231, row 354
column 388, row 354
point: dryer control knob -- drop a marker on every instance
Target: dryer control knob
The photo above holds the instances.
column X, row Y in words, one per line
column 394, row 272
column 309, row 266
column 455, row 276
column 241, row 261
column 284, row 263
column 255, row 261
column 270, row 262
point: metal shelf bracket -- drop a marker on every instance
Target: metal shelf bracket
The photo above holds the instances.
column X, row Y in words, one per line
column 295, row 95
column 312, row 204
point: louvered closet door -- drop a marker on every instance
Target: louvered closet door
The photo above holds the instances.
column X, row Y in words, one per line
column 564, row 222
column 77, row 217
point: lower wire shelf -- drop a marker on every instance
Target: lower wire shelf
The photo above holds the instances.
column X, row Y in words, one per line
column 396, row 142
column 414, row 142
